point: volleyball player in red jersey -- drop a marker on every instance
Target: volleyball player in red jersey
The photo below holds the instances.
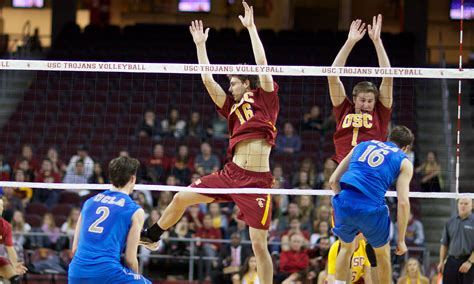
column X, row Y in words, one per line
column 10, row 268
column 251, row 111
column 367, row 116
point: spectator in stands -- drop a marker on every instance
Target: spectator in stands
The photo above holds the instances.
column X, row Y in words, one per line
column 11, row 202
column 181, row 231
column 27, row 153
column 206, row 162
column 87, row 163
column 23, row 193
column 295, row 228
column 164, row 200
column 319, row 257
column 46, row 171
column 59, row 166
column 430, row 173
column 195, row 217
column 182, row 166
column 329, row 167
column 195, row 126
column 231, row 259
column 415, row 235
column 313, row 120
column 306, row 206
column 456, row 256
column 289, row 142
column 141, row 200
column 98, row 176
column 248, row 275
column 303, row 181
column 284, row 222
column 309, row 167
column 323, row 213
column 52, row 233
column 173, row 126
column 20, row 228
column 25, row 167
column 280, row 176
column 79, row 174
column 34, row 41
column 293, row 262
column 149, row 127
column 238, row 226
column 68, row 228
column 219, row 221
column 208, row 249
column 322, row 230
column 5, row 169
column 47, row 196
column 219, row 128
column 279, row 203
column 158, row 165
column 412, row 273
column 329, row 124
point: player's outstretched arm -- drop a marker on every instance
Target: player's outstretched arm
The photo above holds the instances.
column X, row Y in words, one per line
column 133, row 238
column 337, row 174
column 266, row 81
column 77, row 232
column 386, row 87
column 200, row 36
column 403, row 207
column 336, row 88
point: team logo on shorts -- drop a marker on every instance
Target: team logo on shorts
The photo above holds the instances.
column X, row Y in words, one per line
column 260, row 202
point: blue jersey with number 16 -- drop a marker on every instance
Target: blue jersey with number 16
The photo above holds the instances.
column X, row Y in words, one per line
column 373, row 168
column 106, row 221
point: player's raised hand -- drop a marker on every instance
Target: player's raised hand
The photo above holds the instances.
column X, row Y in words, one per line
column 197, row 31
column 401, row 248
column 247, row 19
column 356, row 31
column 20, row 268
column 376, row 28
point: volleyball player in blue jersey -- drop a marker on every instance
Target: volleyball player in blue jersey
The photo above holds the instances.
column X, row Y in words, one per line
column 360, row 183
column 109, row 225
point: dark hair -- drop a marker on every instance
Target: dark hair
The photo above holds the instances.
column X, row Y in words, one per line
column 121, row 170
column 245, row 266
column 402, row 136
column 253, row 79
column 365, row 87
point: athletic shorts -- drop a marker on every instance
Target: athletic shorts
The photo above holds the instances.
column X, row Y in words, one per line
column 125, row 276
column 4, row 261
column 255, row 209
column 354, row 212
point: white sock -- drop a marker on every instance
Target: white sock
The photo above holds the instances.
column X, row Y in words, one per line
column 340, row 282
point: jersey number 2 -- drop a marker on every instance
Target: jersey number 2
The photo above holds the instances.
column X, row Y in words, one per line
column 94, row 227
column 373, row 157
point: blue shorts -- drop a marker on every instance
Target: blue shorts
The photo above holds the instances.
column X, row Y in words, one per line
column 354, row 212
column 124, row 276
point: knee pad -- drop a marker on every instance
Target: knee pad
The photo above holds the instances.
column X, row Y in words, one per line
column 15, row 279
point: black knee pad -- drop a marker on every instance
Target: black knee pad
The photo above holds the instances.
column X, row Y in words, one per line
column 15, row 279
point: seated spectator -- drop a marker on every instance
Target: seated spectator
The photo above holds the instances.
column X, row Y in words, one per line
column 313, row 120
column 59, row 166
column 141, row 200
column 289, row 142
column 219, row 128
column 87, row 162
column 309, row 167
column 412, row 273
column 293, row 262
column 46, row 171
column 5, row 169
column 164, row 200
column 208, row 249
column 47, row 196
column 280, row 176
column 195, row 217
column 24, row 166
column 149, row 127
column 182, row 166
column 219, row 221
column 181, row 231
column 11, row 203
column 329, row 167
column 329, row 124
column 306, row 206
column 69, row 228
column 279, row 203
column 248, row 275
column 158, row 165
column 231, row 259
column 27, row 153
column 79, row 174
column 52, row 233
column 206, row 162
column 195, row 126
column 318, row 258
column 430, row 173
column 415, row 235
column 295, row 228
column 173, row 126
column 19, row 228
column 98, row 176
column 323, row 230
column 323, row 213
column 23, row 193
column 283, row 223
column 303, row 181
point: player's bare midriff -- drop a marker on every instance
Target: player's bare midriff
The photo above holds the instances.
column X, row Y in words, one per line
column 253, row 155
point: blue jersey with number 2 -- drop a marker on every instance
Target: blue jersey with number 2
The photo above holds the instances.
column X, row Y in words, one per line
column 373, row 168
column 106, row 221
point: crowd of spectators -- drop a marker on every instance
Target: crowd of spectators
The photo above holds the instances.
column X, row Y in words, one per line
column 300, row 234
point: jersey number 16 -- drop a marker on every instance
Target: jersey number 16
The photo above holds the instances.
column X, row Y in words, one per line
column 373, row 157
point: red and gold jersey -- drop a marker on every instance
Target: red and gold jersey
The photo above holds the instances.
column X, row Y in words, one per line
column 353, row 128
column 253, row 117
column 5, row 233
